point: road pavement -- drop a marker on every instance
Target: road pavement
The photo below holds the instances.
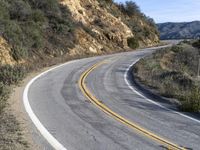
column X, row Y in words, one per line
column 57, row 101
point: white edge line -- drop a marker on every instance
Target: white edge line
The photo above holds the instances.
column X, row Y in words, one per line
column 44, row 132
column 152, row 101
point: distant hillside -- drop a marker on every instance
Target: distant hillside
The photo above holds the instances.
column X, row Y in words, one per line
column 185, row 30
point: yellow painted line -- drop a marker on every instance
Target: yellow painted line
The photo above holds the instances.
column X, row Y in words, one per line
column 169, row 145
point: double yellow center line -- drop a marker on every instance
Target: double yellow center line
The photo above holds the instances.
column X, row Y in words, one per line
column 169, row 145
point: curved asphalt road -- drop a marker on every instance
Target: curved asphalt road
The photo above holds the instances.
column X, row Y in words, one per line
column 77, row 124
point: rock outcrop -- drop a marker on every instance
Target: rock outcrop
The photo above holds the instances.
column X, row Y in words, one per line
column 106, row 30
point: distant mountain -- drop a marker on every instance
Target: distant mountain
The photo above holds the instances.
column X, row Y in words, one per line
column 184, row 30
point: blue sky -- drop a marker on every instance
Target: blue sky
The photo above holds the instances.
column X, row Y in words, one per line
column 170, row 10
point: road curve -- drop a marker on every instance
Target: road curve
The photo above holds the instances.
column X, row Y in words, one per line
column 68, row 120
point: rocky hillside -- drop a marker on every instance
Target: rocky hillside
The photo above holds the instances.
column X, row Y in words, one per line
column 185, row 30
column 42, row 30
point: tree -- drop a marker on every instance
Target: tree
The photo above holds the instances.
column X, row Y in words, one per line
column 132, row 8
column 121, row 7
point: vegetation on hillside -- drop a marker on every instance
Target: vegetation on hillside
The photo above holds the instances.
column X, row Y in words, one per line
column 45, row 28
column 172, row 73
column 143, row 27
column 10, row 132
column 184, row 30
column 34, row 27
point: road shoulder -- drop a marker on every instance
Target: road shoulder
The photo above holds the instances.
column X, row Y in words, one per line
column 16, row 107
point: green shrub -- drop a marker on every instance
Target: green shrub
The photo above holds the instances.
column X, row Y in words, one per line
column 131, row 8
column 38, row 16
column 12, row 32
column 146, row 32
column 11, row 74
column 196, row 44
column 176, row 49
column 133, row 43
column 4, row 13
column 37, row 39
column 19, row 10
column 168, row 89
column 33, row 34
column 18, row 52
column 60, row 27
column 48, row 6
column 191, row 102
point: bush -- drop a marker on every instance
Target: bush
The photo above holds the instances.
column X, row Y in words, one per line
column 186, row 60
column 47, row 6
column 133, row 43
column 59, row 25
column 37, row 39
column 11, row 74
column 176, row 49
column 12, row 32
column 191, row 102
column 4, row 13
column 146, row 32
column 131, row 8
column 38, row 16
column 196, row 44
column 33, row 34
column 18, row 53
column 19, row 10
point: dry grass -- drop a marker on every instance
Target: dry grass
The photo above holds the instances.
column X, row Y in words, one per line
column 171, row 72
column 11, row 137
